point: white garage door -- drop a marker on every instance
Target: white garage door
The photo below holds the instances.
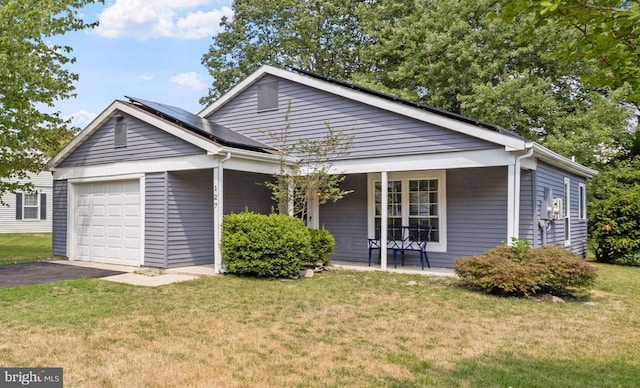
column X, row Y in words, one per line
column 108, row 222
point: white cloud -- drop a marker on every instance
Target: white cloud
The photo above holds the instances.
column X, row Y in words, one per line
column 189, row 79
column 143, row 19
column 81, row 118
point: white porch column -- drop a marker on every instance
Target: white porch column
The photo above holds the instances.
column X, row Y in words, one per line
column 384, row 210
column 217, row 218
column 313, row 212
column 511, row 203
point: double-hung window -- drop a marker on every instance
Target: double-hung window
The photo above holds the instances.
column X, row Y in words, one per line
column 31, row 206
column 416, row 200
column 582, row 202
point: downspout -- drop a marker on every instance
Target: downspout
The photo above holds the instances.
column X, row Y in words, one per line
column 516, row 194
column 218, row 212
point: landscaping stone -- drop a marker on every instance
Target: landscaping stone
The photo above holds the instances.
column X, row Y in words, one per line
column 308, row 273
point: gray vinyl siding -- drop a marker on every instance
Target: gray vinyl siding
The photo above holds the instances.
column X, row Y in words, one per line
column 59, row 218
column 190, row 218
column 476, row 213
column 377, row 132
column 548, row 176
column 527, row 208
column 476, row 216
column 245, row 191
column 143, row 142
column 156, row 222
column 346, row 219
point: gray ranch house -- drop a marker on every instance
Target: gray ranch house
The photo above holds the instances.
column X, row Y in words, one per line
column 147, row 184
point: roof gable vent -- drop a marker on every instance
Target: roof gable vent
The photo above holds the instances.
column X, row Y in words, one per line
column 120, row 132
column 268, row 96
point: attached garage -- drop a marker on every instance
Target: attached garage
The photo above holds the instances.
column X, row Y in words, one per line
column 107, row 222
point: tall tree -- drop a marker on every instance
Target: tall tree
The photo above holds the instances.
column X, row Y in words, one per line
column 458, row 56
column 324, row 36
column 33, row 73
column 452, row 54
column 607, row 32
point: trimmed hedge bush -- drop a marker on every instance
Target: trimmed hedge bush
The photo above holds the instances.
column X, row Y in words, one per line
column 274, row 245
column 322, row 245
column 549, row 269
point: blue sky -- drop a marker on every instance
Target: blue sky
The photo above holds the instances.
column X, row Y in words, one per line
column 149, row 49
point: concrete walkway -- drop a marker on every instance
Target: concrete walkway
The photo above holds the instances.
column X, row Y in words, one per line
column 147, row 277
column 154, row 277
column 407, row 269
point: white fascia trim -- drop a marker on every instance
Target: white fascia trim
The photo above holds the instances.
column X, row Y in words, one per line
column 178, row 163
column 439, row 161
column 560, row 161
column 509, row 142
column 140, row 114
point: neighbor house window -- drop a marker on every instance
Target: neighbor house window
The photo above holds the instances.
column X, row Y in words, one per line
column 415, row 200
column 31, row 206
column 582, row 202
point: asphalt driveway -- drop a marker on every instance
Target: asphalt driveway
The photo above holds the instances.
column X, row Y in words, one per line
column 14, row 275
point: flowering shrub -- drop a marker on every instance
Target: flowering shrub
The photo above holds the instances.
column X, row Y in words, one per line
column 507, row 271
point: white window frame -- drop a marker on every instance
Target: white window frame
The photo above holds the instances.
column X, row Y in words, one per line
column 582, row 202
column 37, row 206
column 405, row 177
column 566, row 217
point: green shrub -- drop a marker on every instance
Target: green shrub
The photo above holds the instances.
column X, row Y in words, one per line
column 615, row 228
column 507, row 271
column 274, row 245
column 322, row 245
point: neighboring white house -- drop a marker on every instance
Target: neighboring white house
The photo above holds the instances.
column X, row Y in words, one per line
column 26, row 212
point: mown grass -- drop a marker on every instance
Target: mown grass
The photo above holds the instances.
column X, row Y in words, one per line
column 338, row 329
column 24, row 247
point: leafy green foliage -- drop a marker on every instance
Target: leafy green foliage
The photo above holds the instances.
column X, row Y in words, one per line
column 261, row 245
column 322, row 246
column 317, row 35
column 33, row 73
column 607, row 33
column 614, row 214
column 549, row 269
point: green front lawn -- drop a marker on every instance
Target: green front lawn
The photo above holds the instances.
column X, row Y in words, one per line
column 340, row 328
column 24, row 247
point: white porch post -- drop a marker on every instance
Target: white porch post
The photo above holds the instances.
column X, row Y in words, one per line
column 384, row 204
column 217, row 218
column 313, row 212
column 511, row 203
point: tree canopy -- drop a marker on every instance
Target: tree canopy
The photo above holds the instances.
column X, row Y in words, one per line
column 324, row 36
column 33, row 74
column 607, row 32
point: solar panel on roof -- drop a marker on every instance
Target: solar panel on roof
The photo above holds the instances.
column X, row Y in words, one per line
column 200, row 125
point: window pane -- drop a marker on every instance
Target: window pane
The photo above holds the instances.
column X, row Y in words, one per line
column 30, row 213
column 423, row 207
column 30, row 199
